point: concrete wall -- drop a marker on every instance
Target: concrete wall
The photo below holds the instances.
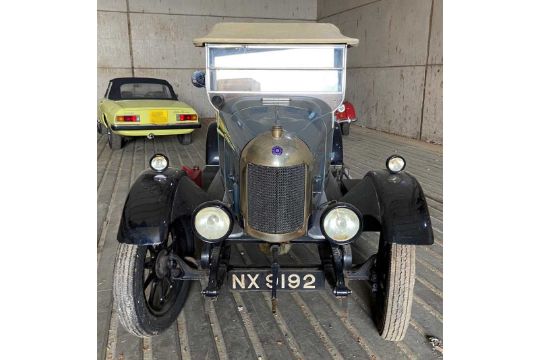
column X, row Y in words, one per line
column 151, row 38
column 395, row 74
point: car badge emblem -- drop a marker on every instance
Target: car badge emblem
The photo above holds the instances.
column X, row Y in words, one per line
column 277, row 150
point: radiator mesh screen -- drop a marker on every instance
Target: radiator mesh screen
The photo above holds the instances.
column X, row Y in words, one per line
column 276, row 198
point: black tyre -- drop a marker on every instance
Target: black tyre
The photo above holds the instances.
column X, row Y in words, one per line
column 115, row 141
column 185, row 139
column 99, row 128
column 147, row 299
column 394, row 289
column 345, row 128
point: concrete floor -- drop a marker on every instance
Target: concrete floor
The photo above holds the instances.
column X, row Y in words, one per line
column 241, row 325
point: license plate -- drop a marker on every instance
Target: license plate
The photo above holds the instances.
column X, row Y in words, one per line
column 158, row 116
column 261, row 280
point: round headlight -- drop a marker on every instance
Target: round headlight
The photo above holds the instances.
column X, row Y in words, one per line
column 341, row 108
column 212, row 222
column 159, row 162
column 395, row 163
column 341, row 223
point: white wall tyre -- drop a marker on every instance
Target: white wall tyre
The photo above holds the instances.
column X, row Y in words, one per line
column 394, row 290
column 147, row 300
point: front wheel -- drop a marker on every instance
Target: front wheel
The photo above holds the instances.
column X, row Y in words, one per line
column 185, row 139
column 394, row 289
column 99, row 128
column 147, row 299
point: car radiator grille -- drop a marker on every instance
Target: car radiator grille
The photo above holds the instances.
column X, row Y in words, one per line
column 276, row 198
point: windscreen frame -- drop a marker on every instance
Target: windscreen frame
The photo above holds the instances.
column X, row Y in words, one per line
column 333, row 98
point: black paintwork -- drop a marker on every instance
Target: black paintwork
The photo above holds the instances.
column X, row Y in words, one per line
column 154, row 127
column 209, row 174
column 212, row 150
column 156, row 203
column 333, row 190
column 336, row 157
column 393, row 204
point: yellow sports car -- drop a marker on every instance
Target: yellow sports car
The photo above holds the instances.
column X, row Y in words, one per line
column 141, row 107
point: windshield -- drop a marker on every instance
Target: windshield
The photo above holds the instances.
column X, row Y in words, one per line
column 272, row 69
column 131, row 91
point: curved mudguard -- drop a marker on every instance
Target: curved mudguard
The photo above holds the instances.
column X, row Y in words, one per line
column 156, row 202
column 393, row 204
column 212, row 150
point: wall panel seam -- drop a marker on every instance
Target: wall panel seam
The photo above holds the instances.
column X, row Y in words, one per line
column 344, row 11
column 426, row 70
column 390, row 66
column 150, row 68
column 204, row 15
column 129, row 39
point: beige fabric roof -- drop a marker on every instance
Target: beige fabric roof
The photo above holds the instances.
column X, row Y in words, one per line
column 274, row 33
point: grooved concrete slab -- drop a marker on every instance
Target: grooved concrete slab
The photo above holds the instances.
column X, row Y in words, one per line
column 432, row 127
column 391, row 32
column 436, row 40
column 241, row 326
column 388, row 99
column 112, row 40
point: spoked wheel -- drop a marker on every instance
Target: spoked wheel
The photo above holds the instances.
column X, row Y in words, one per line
column 148, row 300
column 185, row 139
column 115, row 141
column 393, row 289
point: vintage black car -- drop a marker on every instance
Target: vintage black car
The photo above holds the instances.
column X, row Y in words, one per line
column 274, row 175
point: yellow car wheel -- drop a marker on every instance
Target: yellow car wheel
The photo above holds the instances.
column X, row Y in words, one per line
column 115, row 141
column 99, row 128
column 185, row 139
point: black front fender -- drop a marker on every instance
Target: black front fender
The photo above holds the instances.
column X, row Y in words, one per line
column 155, row 202
column 212, row 149
column 393, row 204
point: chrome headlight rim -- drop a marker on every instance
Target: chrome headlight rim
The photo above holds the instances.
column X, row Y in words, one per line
column 347, row 206
column 215, row 204
column 155, row 156
column 341, row 108
column 395, row 156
